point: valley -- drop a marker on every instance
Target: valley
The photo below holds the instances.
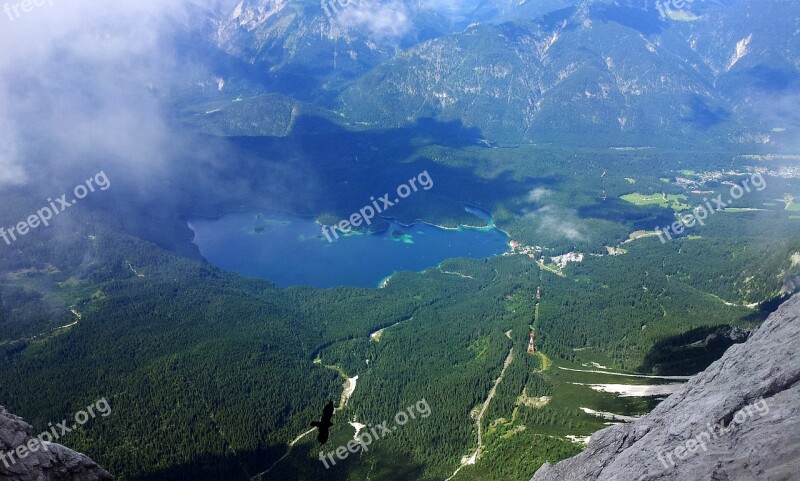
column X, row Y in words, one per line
column 609, row 329
column 231, row 283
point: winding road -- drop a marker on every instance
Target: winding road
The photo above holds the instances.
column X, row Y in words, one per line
column 349, row 388
column 479, row 421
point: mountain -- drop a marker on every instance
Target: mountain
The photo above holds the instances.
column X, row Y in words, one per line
column 56, row 463
column 595, row 70
column 592, row 72
column 496, row 11
column 571, row 135
column 753, row 390
column 309, row 48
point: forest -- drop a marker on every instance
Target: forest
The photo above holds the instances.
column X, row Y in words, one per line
column 210, row 374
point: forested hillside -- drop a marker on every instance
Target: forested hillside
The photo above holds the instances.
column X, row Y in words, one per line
column 221, row 368
column 623, row 181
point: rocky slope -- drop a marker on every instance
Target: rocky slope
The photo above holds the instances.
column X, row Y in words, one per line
column 752, row 391
column 56, row 463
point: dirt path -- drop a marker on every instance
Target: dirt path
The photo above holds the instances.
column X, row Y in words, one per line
column 349, row 388
column 479, row 421
column 376, row 336
column 463, row 276
column 546, row 362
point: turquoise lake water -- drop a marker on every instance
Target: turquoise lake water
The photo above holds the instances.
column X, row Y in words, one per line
column 291, row 250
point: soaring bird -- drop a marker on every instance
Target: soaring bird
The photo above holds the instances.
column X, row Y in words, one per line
column 324, row 424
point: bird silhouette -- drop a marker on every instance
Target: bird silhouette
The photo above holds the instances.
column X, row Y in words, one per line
column 324, row 424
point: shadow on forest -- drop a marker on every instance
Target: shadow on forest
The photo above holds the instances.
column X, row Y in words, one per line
column 688, row 353
column 695, row 350
column 766, row 308
column 319, row 168
column 300, row 466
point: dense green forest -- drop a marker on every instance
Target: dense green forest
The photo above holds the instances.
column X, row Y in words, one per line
column 564, row 137
column 210, row 375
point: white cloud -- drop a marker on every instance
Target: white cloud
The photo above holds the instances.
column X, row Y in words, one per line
column 79, row 83
column 558, row 223
column 380, row 20
column 11, row 171
column 538, row 194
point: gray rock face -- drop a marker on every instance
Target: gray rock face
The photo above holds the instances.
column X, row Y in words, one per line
column 56, row 463
column 752, row 390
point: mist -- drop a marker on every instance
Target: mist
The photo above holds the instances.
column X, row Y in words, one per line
column 81, row 87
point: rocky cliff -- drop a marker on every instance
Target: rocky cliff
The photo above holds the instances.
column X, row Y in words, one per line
column 24, row 458
column 738, row 420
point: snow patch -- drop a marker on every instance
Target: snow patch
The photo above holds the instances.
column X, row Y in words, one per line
column 628, row 390
column 349, row 388
column 578, row 439
column 610, row 416
column 358, row 427
column 470, row 459
column 741, row 51
column 644, row 376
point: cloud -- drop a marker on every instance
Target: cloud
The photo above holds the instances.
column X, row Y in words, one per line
column 11, row 171
column 457, row 9
column 558, row 223
column 87, row 85
column 780, row 111
column 380, row 20
column 538, row 194
column 80, row 87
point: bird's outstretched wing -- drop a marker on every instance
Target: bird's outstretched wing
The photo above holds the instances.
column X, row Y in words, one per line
column 327, row 413
column 324, row 424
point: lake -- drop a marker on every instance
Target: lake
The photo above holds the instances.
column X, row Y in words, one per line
column 291, row 250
